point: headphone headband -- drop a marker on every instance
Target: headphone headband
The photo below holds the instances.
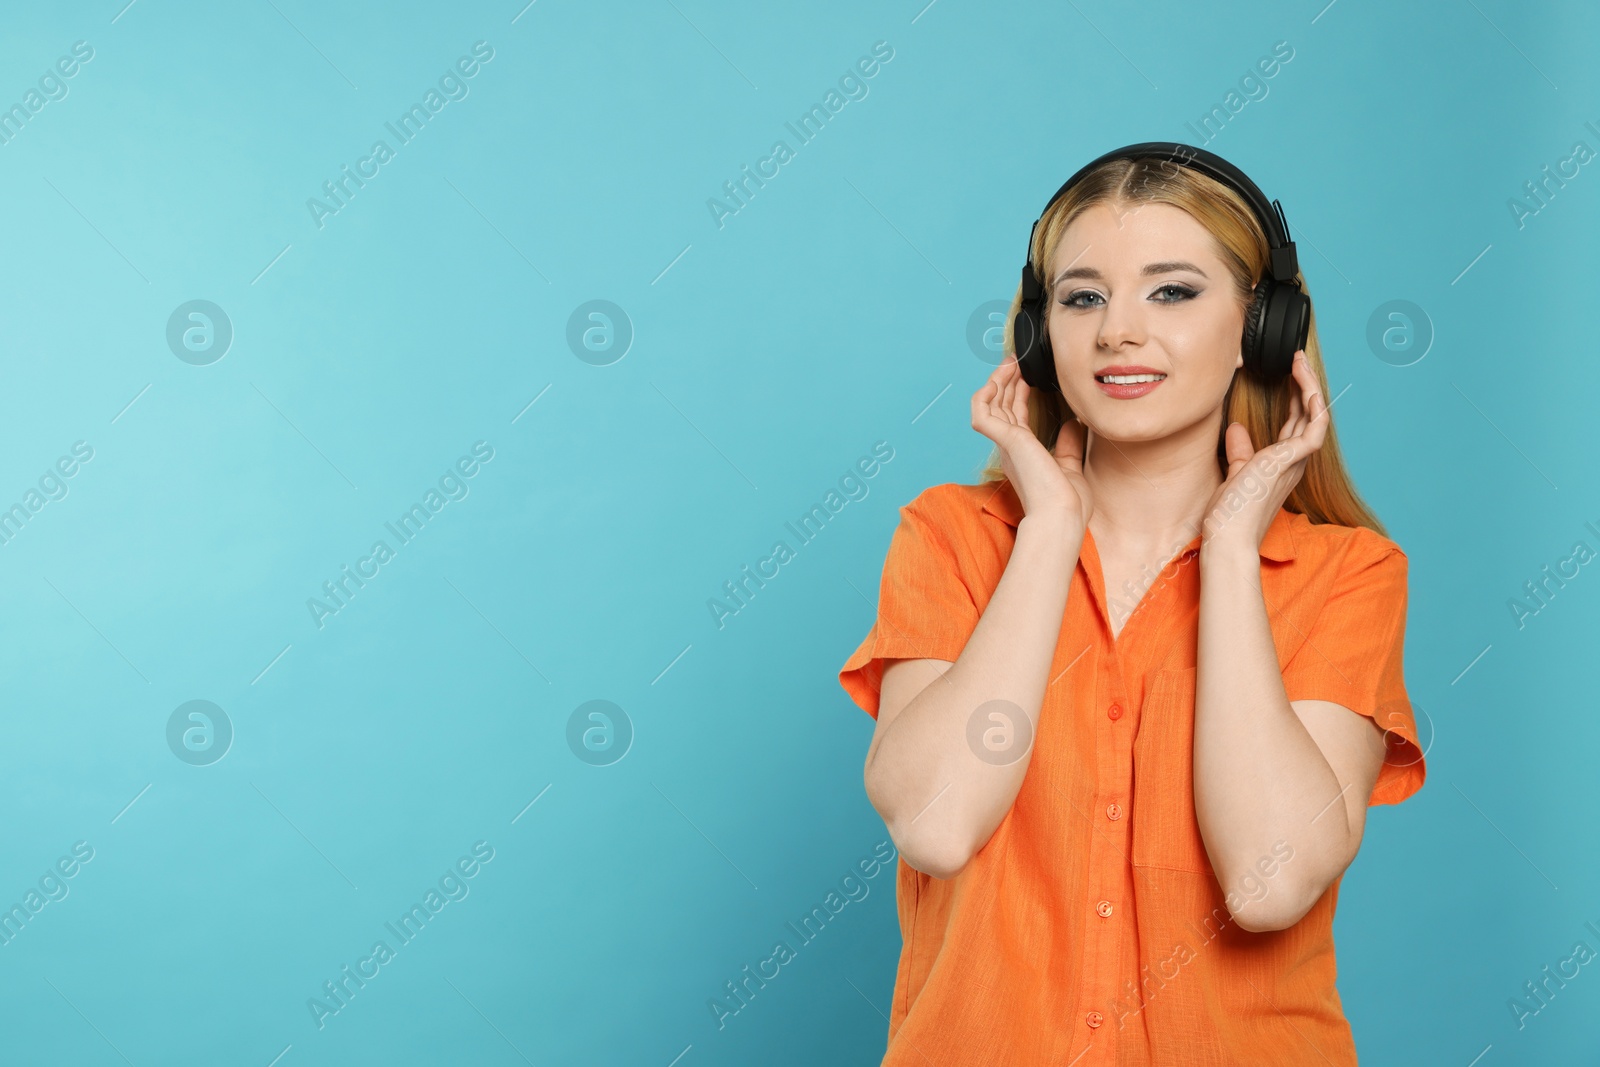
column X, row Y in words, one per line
column 1284, row 262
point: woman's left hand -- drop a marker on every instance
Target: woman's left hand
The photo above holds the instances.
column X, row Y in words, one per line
column 1257, row 483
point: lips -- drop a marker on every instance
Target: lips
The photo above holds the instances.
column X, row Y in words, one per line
column 1128, row 382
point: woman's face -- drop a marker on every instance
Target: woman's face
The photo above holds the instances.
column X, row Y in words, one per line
column 1135, row 294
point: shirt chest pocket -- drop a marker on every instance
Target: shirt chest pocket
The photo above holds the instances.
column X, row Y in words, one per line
column 1165, row 832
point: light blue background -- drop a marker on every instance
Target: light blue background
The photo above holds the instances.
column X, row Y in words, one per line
column 768, row 356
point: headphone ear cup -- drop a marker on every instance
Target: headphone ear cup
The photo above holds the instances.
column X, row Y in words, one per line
column 1032, row 344
column 1284, row 322
column 1276, row 325
column 1254, row 314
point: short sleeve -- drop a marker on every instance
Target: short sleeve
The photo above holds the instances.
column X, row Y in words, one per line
column 1354, row 656
column 925, row 610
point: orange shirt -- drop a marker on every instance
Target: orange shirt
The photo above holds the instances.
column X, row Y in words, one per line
column 1090, row 929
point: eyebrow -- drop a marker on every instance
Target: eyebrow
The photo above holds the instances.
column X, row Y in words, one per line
column 1150, row 268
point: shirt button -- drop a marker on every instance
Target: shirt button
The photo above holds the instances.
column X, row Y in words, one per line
column 1104, row 908
column 1094, row 1018
column 1115, row 712
column 1113, row 812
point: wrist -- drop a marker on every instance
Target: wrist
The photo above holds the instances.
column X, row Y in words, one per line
column 1218, row 555
column 1057, row 527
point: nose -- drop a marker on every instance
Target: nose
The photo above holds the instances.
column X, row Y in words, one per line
column 1120, row 323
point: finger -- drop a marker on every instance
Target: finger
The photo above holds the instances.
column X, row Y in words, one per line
column 1308, row 388
column 1313, row 387
column 986, row 391
column 1316, row 411
column 1300, row 450
column 983, row 399
column 980, row 400
column 1288, row 429
column 1019, row 401
column 1066, row 438
column 1070, row 444
column 1238, row 448
column 1316, row 403
column 1002, row 376
column 1317, row 431
column 1006, row 403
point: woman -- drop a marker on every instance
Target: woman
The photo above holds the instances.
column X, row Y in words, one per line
column 1135, row 691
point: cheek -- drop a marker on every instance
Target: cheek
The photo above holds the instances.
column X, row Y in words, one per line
column 1209, row 357
column 1205, row 386
column 1073, row 374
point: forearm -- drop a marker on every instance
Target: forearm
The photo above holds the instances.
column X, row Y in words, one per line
column 1259, row 776
column 937, row 796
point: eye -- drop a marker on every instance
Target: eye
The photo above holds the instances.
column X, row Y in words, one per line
column 1181, row 293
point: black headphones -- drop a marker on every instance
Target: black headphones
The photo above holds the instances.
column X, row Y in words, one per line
column 1279, row 315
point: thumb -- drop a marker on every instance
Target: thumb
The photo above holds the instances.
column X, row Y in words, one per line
column 1070, row 440
column 1239, row 450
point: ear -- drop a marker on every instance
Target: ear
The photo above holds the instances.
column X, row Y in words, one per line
column 1240, row 361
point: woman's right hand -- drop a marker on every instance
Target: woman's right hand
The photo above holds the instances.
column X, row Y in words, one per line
column 1045, row 481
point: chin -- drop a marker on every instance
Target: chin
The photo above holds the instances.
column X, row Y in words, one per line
column 1134, row 433
column 1115, row 420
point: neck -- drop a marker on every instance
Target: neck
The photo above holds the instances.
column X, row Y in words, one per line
column 1150, row 496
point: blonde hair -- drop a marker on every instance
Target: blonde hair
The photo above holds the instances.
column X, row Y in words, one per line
column 1325, row 493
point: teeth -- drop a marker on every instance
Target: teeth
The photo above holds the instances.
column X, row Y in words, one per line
column 1129, row 379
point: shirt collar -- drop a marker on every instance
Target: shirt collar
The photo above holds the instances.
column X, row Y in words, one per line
column 1002, row 502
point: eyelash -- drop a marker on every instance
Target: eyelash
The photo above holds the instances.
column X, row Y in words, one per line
column 1187, row 294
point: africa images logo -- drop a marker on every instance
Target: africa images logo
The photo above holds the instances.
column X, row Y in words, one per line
column 452, row 485
column 453, row 885
column 853, row 486
column 452, row 86
column 852, row 85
